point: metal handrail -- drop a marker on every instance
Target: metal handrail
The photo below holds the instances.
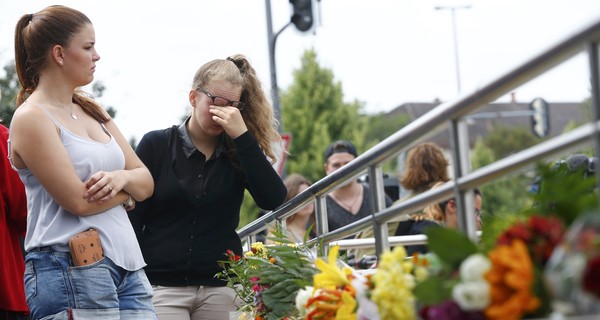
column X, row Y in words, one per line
column 447, row 115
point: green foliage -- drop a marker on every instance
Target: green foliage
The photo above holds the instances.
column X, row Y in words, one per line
column 505, row 141
column 249, row 210
column 441, row 239
column 9, row 87
column 507, row 195
column 481, row 155
column 382, row 125
column 433, row 291
column 450, row 248
column 314, row 112
column 276, row 273
column 495, row 225
column 564, row 193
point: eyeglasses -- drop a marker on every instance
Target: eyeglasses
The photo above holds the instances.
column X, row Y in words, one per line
column 222, row 102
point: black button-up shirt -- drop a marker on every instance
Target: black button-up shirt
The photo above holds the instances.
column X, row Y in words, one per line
column 191, row 219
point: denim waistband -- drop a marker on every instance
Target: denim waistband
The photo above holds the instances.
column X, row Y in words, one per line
column 46, row 249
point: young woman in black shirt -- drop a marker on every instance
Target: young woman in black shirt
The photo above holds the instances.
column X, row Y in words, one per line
column 201, row 169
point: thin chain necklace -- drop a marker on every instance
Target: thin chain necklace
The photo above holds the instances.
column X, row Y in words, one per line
column 350, row 206
column 73, row 115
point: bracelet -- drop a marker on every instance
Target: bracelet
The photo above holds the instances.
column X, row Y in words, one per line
column 129, row 202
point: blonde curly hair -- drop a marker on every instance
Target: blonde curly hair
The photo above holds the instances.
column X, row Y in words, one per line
column 258, row 112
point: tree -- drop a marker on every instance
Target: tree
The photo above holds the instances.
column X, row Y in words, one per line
column 9, row 88
column 314, row 112
column 507, row 195
column 505, row 141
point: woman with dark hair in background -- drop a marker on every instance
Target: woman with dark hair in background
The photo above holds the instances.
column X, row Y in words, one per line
column 298, row 223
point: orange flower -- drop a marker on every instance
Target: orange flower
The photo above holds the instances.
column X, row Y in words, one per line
column 511, row 278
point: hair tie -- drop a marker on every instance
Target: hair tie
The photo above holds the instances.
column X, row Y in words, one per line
column 30, row 17
column 237, row 63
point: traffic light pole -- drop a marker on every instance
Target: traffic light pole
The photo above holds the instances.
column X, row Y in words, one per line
column 272, row 40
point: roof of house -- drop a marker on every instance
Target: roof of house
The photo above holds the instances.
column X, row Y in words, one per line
column 500, row 114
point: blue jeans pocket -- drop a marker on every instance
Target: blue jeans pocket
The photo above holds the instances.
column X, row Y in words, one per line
column 94, row 287
column 30, row 281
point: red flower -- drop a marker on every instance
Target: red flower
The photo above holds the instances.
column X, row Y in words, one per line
column 591, row 276
column 541, row 234
column 232, row 256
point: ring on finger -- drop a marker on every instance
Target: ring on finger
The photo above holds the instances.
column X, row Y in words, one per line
column 109, row 188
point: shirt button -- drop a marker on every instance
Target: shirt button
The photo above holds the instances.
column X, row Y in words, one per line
column 192, row 237
column 199, row 176
column 197, row 196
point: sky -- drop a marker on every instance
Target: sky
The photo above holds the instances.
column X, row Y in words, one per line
column 383, row 52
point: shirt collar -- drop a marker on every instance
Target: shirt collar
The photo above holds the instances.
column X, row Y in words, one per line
column 188, row 146
column 186, row 141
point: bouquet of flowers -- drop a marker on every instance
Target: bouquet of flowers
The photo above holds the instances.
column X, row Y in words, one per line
column 547, row 259
column 268, row 278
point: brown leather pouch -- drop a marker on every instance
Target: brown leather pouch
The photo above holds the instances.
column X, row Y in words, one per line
column 86, row 248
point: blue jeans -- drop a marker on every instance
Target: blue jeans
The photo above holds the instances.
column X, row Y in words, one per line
column 56, row 290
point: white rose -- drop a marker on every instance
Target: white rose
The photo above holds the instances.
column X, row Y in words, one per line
column 472, row 295
column 302, row 298
column 474, row 267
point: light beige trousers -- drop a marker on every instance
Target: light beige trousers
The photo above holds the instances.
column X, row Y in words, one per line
column 194, row 303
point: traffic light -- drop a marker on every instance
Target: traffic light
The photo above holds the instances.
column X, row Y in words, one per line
column 302, row 16
column 540, row 118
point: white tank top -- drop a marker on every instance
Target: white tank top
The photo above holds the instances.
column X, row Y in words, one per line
column 48, row 224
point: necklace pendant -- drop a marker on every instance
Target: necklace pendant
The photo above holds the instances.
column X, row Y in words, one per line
column 74, row 116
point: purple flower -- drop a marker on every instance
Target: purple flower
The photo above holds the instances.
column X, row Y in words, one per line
column 449, row 310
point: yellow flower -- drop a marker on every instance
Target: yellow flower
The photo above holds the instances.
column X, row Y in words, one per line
column 393, row 286
column 258, row 249
column 258, row 246
column 421, row 273
column 347, row 308
column 331, row 275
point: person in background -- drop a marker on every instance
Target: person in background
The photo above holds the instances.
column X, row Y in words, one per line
column 352, row 201
column 437, row 214
column 79, row 172
column 424, row 166
column 298, row 223
column 13, row 223
column 201, row 169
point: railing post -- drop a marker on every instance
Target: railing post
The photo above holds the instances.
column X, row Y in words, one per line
column 459, row 145
column 378, row 203
column 593, row 53
column 321, row 220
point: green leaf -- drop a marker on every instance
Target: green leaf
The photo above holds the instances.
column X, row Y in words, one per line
column 451, row 246
column 432, row 291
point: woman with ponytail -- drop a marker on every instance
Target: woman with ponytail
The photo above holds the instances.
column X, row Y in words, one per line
column 201, row 169
column 79, row 173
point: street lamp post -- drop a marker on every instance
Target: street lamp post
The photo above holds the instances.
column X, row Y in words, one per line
column 272, row 40
column 456, row 60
